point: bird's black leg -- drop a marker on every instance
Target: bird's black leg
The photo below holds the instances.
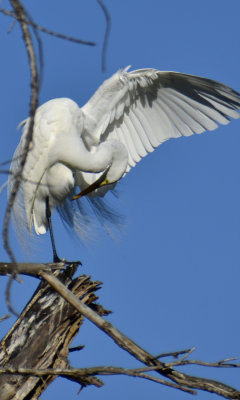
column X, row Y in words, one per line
column 56, row 259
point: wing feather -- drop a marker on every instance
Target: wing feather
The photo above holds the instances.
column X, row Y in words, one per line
column 135, row 139
column 196, row 119
column 126, row 139
column 179, row 118
column 142, row 115
column 144, row 108
column 207, row 114
column 172, row 131
column 162, row 131
column 137, row 125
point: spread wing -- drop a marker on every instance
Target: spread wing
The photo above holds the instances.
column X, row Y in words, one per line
column 143, row 108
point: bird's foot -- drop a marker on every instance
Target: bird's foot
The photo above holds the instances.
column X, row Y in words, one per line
column 73, row 263
column 58, row 260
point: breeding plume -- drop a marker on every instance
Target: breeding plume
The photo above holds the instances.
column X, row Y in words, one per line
column 78, row 152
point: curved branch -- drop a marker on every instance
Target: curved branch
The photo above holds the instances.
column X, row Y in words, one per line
column 107, row 33
column 81, row 375
column 46, row 30
column 21, row 16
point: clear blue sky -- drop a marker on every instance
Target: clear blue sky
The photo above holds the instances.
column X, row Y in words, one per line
column 172, row 275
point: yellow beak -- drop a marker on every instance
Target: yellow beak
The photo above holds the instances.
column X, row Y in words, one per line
column 95, row 185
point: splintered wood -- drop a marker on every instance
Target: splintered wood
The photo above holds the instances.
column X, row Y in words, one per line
column 41, row 337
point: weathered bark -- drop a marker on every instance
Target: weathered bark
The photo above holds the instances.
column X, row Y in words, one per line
column 41, row 337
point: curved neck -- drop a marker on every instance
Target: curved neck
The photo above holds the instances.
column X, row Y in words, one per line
column 74, row 154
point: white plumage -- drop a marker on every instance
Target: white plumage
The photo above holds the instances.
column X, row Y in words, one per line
column 129, row 116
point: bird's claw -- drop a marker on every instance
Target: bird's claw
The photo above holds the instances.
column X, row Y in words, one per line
column 57, row 260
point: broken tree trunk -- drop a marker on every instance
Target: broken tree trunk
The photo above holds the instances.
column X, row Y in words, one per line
column 41, row 337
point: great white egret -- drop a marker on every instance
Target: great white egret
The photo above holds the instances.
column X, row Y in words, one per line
column 93, row 147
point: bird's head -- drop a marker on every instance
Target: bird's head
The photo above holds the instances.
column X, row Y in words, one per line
column 102, row 181
column 114, row 170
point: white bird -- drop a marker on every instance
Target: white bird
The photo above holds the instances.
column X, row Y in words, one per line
column 93, row 147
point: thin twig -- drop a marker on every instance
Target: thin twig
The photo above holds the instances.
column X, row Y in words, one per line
column 7, row 172
column 5, row 317
column 107, row 33
column 218, row 364
column 20, row 13
column 187, row 354
column 174, row 354
column 78, row 373
column 4, row 185
column 76, row 348
column 8, row 294
column 21, row 16
column 47, row 31
column 40, row 48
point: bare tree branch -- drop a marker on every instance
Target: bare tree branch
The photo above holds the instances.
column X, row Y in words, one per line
column 5, row 317
column 80, row 374
column 47, row 31
column 21, row 16
column 40, row 48
column 41, row 320
column 107, row 33
column 31, row 269
column 139, row 353
column 174, row 354
column 77, row 373
column 219, row 364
